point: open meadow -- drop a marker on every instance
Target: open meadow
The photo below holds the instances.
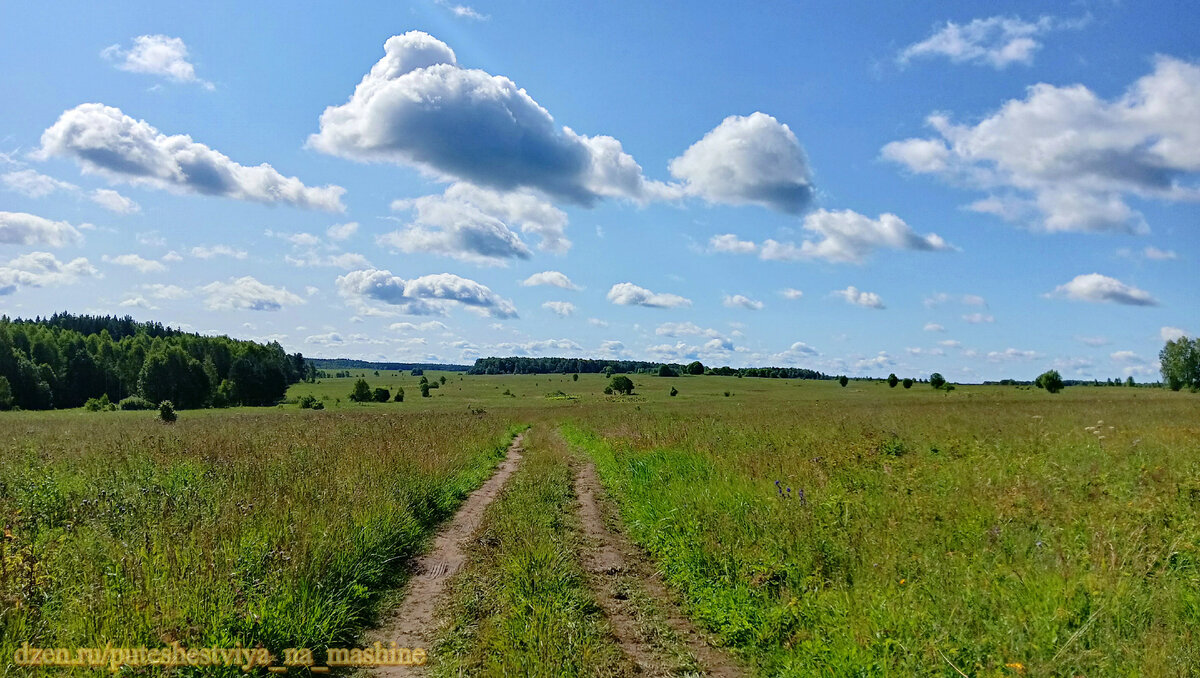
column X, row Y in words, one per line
column 807, row 528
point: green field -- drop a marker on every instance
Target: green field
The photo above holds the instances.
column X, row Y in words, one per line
column 811, row 529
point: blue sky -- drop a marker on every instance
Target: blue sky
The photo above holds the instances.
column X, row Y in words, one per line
column 986, row 193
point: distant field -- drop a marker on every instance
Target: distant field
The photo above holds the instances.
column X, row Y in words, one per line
column 992, row 530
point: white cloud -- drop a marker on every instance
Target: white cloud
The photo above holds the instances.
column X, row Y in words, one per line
column 137, row 302
column 1011, row 354
column 343, row 260
column 551, row 278
column 852, row 295
column 42, row 269
column 164, row 291
column 327, row 339
column 950, row 343
column 1149, row 253
column 105, row 141
column 21, row 228
column 1093, row 341
column 474, row 224
column 751, row 159
column 997, row 41
column 1101, row 288
column 463, row 11
column 247, row 293
column 845, row 236
column 741, row 301
column 342, row 231
column 628, row 294
column 426, row 295
column 597, row 322
column 1171, row 333
column 1126, row 357
column 728, row 243
column 791, row 293
column 978, row 318
column 205, row 252
column 427, row 326
column 934, row 327
column 716, row 339
column 880, row 360
column 156, row 55
column 418, row 107
column 1073, row 156
column 562, row 308
column 172, row 256
column 114, row 201
column 136, row 261
column 33, row 184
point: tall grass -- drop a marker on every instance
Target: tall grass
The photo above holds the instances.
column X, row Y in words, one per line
column 259, row 529
column 988, row 532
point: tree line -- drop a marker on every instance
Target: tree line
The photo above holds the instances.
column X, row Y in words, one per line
column 66, row 360
column 521, row 365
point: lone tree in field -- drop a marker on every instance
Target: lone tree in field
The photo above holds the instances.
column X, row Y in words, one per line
column 362, row 392
column 575, row 377
column 424, row 389
column 399, row 397
column 382, row 395
column 936, row 380
column 695, row 367
column 1050, row 380
column 166, row 412
column 674, row 391
column 1179, row 361
column 442, row 380
column 621, row 384
column 908, row 382
column 893, row 380
column 843, row 381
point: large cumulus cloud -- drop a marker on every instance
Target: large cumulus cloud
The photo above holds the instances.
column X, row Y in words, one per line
column 418, row 106
column 426, row 295
column 105, row 141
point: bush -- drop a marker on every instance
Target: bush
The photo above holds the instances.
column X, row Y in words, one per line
column 101, row 404
column 166, row 412
column 727, row 394
column 695, row 367
column 575, row 377
column 399, row 397
column 1050, row 380
column 893, row 380
column 621, row 384
column 442, row 380
column 135, row 403
column 318, row 405
column 666, row 371
column 907, row 382
column 362, row 392
column 843, row 381
column 674, row 391
column 382, row 395
column 936, row 380
column 424, row 389
column 608, row 390
column 417, row 372
column 308, row 402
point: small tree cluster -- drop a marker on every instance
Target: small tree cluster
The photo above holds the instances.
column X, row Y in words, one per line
column 1050, row 380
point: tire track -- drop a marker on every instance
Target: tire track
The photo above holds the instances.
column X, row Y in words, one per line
column 414, row 623
column 607, row 559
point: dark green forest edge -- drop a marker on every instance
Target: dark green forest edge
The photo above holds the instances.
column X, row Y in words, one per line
column 518, row 365
column 106, row 362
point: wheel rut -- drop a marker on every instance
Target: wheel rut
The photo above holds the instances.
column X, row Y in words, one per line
column 413, row 624
column 615, row 566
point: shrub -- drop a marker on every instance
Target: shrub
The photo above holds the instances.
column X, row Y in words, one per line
column 135, row 403
column 575, row 377
column 666, row 371
column 727, row 394
column 101, row 404
column 307, row 402
column 621, row 384
column 893, row 380
column 362, row 392
column 417, row 372
column 318, row 405
column 674, row 391
column 908, row 382
column 399, row 397
column 843, row 381
column 936, row 380
column 1050, row 380
column 424, row 389
column 382, row 395
column 608, row 390
column 695, row 367
column 166, row 412
column 442, row 380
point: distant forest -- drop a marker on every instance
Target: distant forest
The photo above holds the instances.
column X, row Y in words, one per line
column 348, row 364
column 66, row 360
column 518, row 365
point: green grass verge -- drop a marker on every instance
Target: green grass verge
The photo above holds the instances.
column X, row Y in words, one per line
column 522, row 606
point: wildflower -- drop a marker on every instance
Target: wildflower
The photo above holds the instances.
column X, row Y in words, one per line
column 902, row 581
column 1016, row 666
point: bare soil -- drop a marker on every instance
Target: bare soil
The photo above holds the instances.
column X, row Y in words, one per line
column 414, row 623
column 615, row 566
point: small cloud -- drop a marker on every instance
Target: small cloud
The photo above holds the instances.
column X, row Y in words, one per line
column 852, row 295
column 342, row 231
column 628, row 294
column 136, row 261
column 742, row 301
column 218, row 251
column 1171, row 333
column 159, row 55
column 1097, row 288
column 978, row 318
column 791, row 293
column 551, row 278
column 560, row 308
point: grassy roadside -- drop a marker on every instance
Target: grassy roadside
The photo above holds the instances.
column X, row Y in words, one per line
column 1004, row 544
column 266, row 531
column 521, row 606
